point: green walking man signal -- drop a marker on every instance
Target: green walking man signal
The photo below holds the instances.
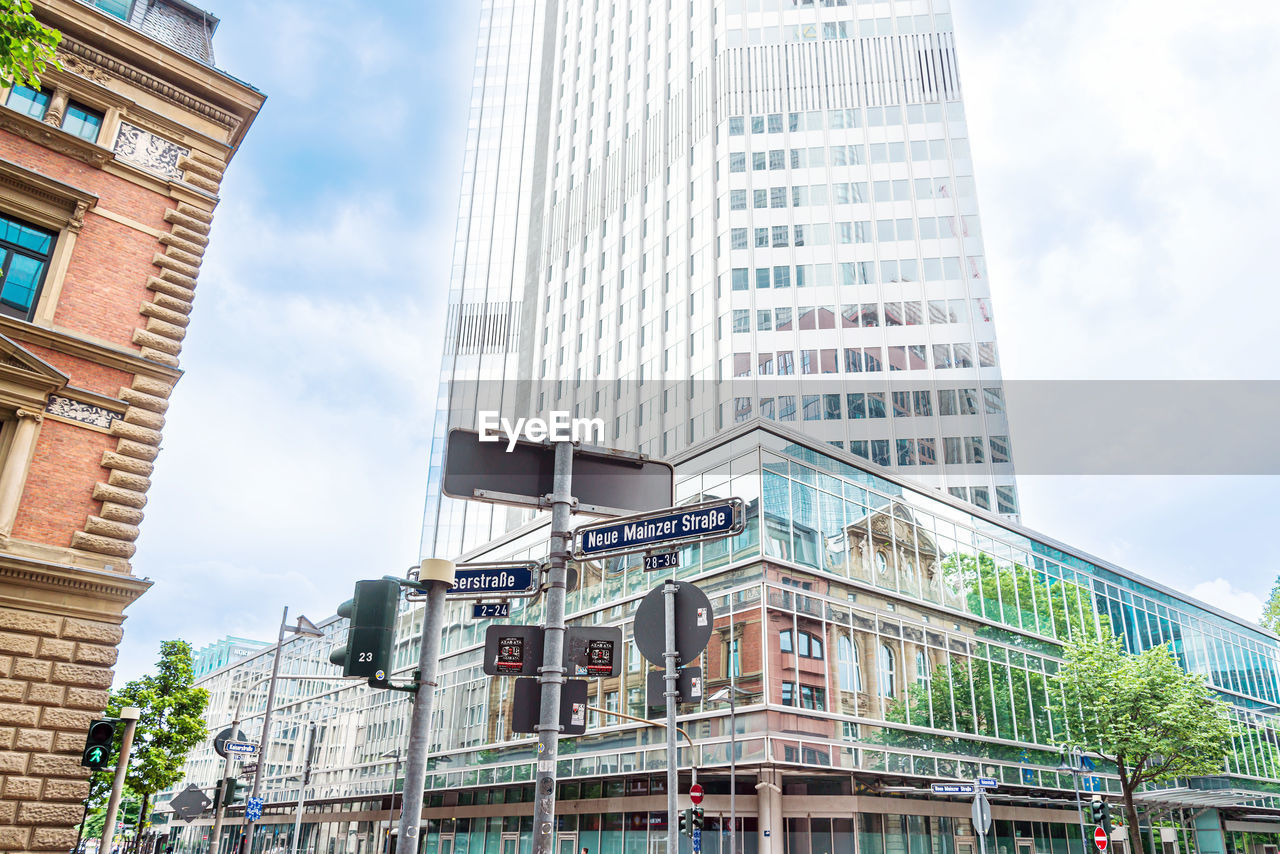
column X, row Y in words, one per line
column 372, row 635
column 98, row 745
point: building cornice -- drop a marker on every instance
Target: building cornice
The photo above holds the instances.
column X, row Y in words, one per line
column 54, row 138
column 100, row 354
column 68, row 583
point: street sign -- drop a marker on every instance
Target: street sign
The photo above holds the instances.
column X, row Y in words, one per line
column 606, row 482
column 710, row 520
column 592, row 651
column 220, row 741
column 665, row 560
column 981, row 813
column 988, row 782
column 248, row 769
column 476, row 580
column 488, row 610
column 189, row 803
column 953, row 788
column 695, row 794
column 512, row 650
column 694, row 620
column 253, row 809
column 697, row 840
column 243, row 748
column 527, row 704
column 1100, row 838
column 689, row 685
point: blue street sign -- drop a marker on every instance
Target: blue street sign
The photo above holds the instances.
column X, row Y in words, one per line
column 988, row 782
column 473, row 580
column 710, row 520
column 953, row 788
column 697, row 840
column 253, row 809
column 242, row 747
column 486, row 610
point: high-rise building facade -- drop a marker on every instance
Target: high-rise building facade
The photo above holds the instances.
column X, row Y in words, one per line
column 110, row 171
column 678, row 216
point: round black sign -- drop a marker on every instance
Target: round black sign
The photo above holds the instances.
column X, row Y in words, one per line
column 220, row 741
column 693, row 623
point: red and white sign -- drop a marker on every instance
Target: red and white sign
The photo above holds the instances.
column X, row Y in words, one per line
column 695, row 794
column 1100, row 838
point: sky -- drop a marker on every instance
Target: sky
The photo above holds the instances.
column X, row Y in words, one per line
column 1124, row 152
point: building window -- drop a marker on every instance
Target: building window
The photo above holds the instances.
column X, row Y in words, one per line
column 119, row 8
column 922, row 669
column 888, row 685
column 849, row 669
column 83, row 122
column 808, row 697
column 24, row 257
column 805, row 645
column 28, row 101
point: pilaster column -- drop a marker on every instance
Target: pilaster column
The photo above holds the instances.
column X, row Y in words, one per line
column 13, row 475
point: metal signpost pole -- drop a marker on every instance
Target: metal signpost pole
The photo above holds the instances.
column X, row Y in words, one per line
column 551, row 674
column 130, row 715
column 302, row 788
column 391, row 807
column 218, row 809
column 733, row 764
column 672, row 695
column 1075, row 785
column 437, row 574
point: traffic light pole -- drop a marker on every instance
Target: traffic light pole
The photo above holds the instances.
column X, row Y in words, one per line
column 130, row 715
column 551, row 674
column 437, row 576
column 219, row 809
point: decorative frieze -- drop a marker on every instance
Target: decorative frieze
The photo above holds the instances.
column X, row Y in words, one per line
column 85, row 413
column 148, row 151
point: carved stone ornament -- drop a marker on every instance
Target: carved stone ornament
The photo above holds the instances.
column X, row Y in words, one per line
column 77, row 65
column 148, row 151
column 85, row 413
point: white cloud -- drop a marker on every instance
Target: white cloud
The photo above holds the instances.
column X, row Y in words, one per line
column 1222, row 594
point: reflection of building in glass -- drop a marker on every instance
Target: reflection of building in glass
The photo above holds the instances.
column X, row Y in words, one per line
column 678, row 220
column 887, row 637
column 220, row 653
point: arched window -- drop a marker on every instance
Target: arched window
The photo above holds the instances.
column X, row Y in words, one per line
column 849, row 669
column 922, row 669
column 886, row 675
column 801, row 643
column 882, row 563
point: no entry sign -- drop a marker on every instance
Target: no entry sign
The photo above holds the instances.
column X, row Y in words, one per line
column 1100, row 838
column 695, row 794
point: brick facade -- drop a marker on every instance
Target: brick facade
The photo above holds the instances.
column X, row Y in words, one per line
column 86, row 375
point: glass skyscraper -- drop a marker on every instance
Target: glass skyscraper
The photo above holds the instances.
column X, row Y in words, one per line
column 678, row 216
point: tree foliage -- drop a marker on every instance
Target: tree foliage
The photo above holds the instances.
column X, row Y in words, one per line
column 1271, row 611
column 170, row 723
column 1155, row 720
column 26, row 45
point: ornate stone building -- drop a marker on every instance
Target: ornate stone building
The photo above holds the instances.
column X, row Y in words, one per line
column 109, row 177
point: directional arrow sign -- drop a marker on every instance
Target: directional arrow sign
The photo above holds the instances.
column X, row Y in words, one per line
column 710, row 520
column 242, row 747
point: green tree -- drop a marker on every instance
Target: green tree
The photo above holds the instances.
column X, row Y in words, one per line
column 26, row 45
column 170, row 723
column 1271, row 612
column 1145, row 713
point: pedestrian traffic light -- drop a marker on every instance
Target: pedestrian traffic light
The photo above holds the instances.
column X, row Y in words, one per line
column 98, row 745
column 1098, row 809
column 697, row 818
column 230, row 791
column 686, row 822
column 372, row 635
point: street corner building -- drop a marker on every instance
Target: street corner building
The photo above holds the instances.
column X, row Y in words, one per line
column 109, row 177
column 880, row 636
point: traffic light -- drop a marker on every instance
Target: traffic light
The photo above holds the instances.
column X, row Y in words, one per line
column 98, row 745
column 686, row 822
column 372, row 635
column 697, row 818
column 230, row 792
column 1101, row 812
column 1106, row 817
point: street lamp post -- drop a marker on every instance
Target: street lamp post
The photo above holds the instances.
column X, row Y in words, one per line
column 730, row 692
column 391, row 807
column 1072, row 762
